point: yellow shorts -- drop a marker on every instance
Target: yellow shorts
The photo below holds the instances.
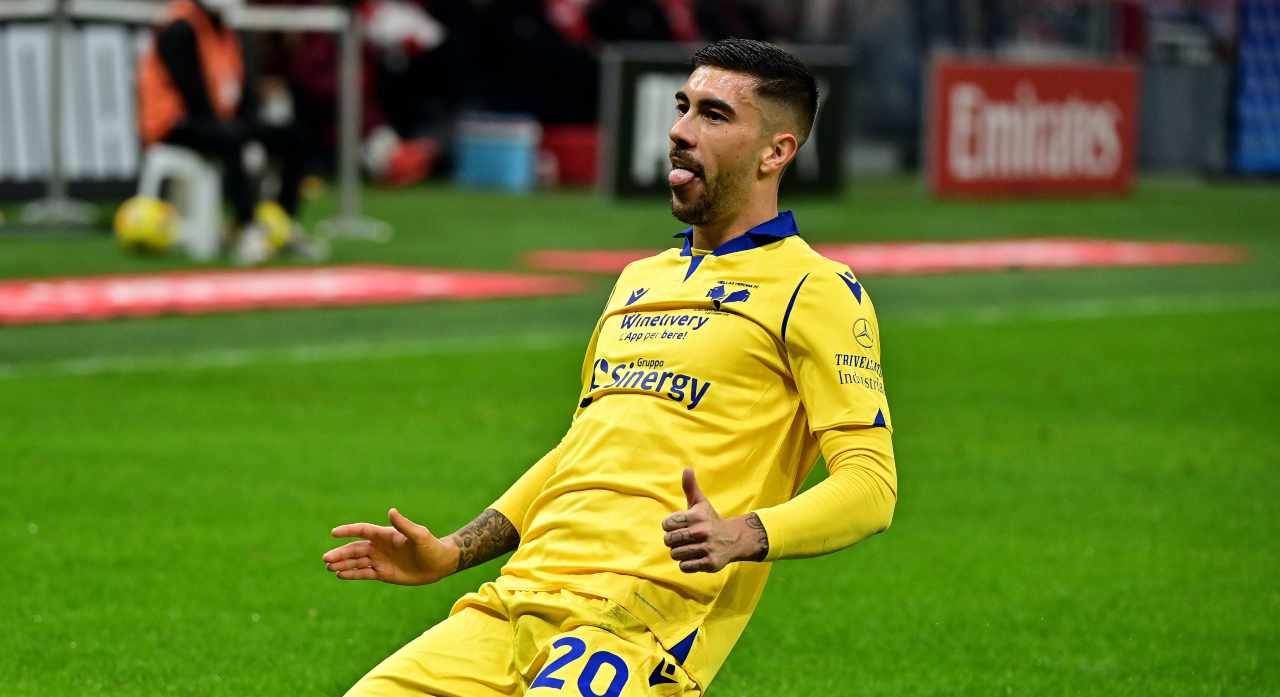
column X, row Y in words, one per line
column 506, row 642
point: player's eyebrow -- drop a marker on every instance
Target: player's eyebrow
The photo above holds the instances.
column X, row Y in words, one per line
column 709, row 103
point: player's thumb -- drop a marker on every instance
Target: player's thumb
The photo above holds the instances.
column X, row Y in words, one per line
column 692, row 494
column 407, row 527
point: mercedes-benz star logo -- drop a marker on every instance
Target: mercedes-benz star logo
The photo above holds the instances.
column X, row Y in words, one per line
column 862, row 333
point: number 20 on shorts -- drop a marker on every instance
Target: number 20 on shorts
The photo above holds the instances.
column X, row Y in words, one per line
column 597, row 661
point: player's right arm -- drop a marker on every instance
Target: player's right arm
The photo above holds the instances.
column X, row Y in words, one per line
column 407, row 554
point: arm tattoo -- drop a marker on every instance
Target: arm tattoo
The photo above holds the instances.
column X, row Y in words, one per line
column 762, row 537
column 487, row 537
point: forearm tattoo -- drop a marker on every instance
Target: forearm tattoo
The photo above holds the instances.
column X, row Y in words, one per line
column 762, row 537
column 487, row 537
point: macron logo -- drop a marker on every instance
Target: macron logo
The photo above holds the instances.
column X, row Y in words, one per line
column 637, row 294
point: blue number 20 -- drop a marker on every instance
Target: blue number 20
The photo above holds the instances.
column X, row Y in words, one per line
column 577, row 648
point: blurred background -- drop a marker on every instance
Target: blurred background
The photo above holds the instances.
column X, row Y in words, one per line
column 268, row 267
column 426, row 70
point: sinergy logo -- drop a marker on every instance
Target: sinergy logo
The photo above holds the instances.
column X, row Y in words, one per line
column 647, row 376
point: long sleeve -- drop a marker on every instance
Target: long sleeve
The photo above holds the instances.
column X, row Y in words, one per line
column 854, row 502
column 516, row 501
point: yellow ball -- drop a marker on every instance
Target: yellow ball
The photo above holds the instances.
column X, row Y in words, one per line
column 271, row 216
column 146, row 224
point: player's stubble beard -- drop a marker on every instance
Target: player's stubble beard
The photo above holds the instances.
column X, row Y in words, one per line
column 718, row 199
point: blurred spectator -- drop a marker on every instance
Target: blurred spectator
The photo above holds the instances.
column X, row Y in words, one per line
column 533, row 65
column 722, row 19
column 422, row 75
column 397, row 148
column 630, row 20
column 191, row 84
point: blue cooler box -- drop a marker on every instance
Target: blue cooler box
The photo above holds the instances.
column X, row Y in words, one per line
column 496, row 151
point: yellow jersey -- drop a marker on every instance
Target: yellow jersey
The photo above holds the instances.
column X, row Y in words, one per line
column 729, row 362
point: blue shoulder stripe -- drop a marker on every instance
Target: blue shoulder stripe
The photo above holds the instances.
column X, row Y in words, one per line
column 854, row 287
column 787, row 315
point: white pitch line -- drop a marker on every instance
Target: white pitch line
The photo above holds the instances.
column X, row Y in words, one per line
column 234, row 358
column 1146, row 306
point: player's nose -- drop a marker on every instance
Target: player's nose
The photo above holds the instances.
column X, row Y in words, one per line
column 681, row 133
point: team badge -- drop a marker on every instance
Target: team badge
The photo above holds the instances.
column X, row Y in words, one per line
column 719, row 296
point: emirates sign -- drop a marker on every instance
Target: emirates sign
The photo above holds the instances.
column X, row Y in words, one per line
column 1000, row 129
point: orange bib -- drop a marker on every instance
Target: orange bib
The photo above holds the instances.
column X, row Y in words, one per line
column 160, row 105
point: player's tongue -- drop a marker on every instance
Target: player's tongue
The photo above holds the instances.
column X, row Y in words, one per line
column 680, row 176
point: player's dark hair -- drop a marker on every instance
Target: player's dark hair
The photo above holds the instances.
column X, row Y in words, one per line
column 779, row 75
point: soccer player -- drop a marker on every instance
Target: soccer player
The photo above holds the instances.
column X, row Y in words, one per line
column 716, row 373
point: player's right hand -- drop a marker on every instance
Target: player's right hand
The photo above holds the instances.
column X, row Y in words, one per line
column 403, row 553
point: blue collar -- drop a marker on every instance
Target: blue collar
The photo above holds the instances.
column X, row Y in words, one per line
column 770, row 231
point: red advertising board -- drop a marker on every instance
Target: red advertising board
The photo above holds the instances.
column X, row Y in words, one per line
column 1010, row 129
column 48, row 300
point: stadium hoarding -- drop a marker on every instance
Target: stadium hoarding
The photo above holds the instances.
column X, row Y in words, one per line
column 1031, row 129
column 637, row 107
column 100, row 145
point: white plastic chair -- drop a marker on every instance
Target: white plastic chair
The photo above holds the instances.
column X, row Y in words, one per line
column 196, row 191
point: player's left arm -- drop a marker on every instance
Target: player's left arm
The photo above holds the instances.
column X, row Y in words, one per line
column 832, row 341
column 854, row 502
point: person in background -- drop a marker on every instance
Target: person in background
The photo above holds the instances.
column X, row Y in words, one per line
column 192, row 93
column 401, row 140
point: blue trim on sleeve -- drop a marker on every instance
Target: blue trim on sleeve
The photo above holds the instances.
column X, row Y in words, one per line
column 787, row 315
column 854, row 286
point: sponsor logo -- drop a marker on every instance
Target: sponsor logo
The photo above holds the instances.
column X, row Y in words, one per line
column 636, row 295
column 873, row 384
column 640, row 327
column 859, row 365
column 646, row 375
column 636, row 321
column 852, row 360
column 719, row 296
column 1031, row 137
column 862, row 333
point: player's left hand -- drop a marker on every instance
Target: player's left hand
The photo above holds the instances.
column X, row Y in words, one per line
column 703, row 541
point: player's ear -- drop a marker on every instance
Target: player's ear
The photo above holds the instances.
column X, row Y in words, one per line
column 781, row 150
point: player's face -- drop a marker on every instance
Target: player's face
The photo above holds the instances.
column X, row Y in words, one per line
column 715, row 145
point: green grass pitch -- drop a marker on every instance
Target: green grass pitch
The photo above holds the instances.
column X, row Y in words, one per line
column 1089, row 461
